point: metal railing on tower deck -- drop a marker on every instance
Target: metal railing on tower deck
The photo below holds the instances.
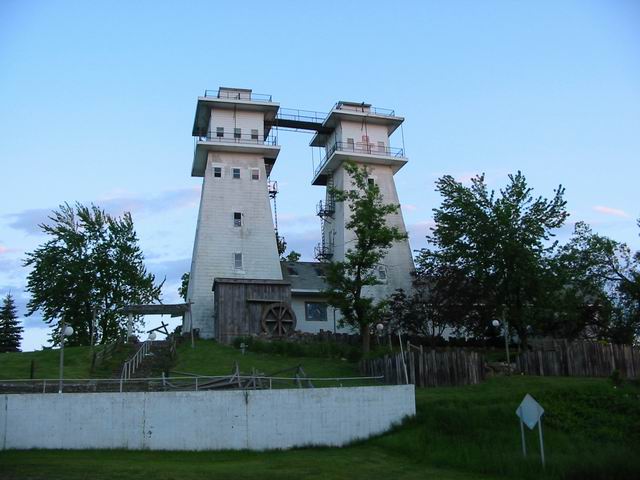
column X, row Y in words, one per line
column 359, row 148
column 364, row 108
column 240, row 95
column 244, row 138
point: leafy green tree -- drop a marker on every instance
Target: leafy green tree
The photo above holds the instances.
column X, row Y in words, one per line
column 498, row 242
column 292, row 256
column 442, row 297
column 184, row 286
column 347, row 279
column 10, row 328
column 604, row 276
column 91, row 263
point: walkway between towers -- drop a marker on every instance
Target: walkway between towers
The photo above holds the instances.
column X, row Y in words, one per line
column 300, row 120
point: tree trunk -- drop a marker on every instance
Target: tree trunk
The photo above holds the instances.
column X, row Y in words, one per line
column 366, row 339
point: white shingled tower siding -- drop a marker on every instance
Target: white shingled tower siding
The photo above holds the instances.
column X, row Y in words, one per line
column 363, row 137
column 219, row 238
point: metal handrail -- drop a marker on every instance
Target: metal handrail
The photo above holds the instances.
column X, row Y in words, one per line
column 250, row 96
column 304, row 115
column 325, row 208
column 323, row 250
column 385, row 112
column 183, row 377
column 231, row 137
column 193, row 382
column 367, row 148
column 129, row 367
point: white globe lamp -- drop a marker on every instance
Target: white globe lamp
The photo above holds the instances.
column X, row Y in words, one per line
column 67, row 331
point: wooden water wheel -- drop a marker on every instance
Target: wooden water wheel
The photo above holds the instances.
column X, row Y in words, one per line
column 278, row 320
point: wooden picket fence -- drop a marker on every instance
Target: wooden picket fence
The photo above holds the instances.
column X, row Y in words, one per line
column 428, row 369
column 582, row 359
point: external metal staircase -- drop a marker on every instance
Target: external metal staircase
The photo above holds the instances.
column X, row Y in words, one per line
column 326, row 210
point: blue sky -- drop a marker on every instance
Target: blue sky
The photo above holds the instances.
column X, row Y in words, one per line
column 97, row 102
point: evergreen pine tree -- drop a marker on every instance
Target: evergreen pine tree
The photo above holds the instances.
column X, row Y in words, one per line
column 10, row 328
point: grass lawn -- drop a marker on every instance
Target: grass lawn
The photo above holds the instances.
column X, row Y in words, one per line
column 592, row 431
column 77, row 363
column 211, row 358
column 207, row 358
column 352, row 463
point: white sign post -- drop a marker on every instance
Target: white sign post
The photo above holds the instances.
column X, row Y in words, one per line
column 530, row 413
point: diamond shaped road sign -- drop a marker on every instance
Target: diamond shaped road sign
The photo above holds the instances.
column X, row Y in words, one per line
column 529, row 411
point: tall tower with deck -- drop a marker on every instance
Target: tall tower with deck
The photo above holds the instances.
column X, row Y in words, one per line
column 361, row 133
column 235, row 238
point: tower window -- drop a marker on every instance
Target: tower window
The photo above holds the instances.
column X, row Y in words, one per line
column 237, row 219
column 254, row 134
column 255, row 174
column 220, row 132
column 217, row 172
column 237, row 133
column 371, row 181
column 237, row 261
column 382, row 273
column 236, row 173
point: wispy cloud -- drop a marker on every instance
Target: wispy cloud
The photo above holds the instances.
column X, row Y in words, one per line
column 171, row 269
column 115, row 204
column 302, row 242
column 295, row 220
column 409, row 207
column 421, row 226
column 491, row 175
column 611, row 211
column 28, row 220
column 465, row 177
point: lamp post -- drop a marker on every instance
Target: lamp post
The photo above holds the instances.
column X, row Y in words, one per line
column 380, row 333
column 65, row 331
column 505, row 326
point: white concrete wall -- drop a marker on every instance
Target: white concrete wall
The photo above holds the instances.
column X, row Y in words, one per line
column 228, row 420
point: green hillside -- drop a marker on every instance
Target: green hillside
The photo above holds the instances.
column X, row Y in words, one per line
column 207, row 358
column 77, row 363
column 211, row 358
column 591, row 429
